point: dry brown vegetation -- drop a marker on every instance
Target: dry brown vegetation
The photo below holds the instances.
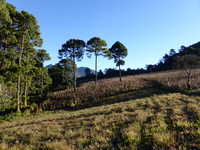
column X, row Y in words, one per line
column 110, row 90
column 168, row 121
column 139, row 113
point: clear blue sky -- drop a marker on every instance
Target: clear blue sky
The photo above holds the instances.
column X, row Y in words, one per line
column 148, row 28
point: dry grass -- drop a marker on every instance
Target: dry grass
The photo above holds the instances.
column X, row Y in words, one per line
column 111, row 90
column 88, row 95
column 169, row 121
column 134, row 114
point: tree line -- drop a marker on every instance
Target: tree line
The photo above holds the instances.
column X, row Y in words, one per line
column 22, row 73
column 23, row 76
column 186, row 59
column 74, row 50
column 24, row 79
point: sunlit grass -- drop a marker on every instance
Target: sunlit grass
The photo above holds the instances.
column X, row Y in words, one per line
column 158, row 121
column 142, row 112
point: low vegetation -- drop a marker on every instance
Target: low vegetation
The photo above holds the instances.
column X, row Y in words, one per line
column 142, row 112
column 111, row 90
column 149, row 111
column 166, row 121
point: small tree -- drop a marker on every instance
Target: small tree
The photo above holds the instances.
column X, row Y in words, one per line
column 88, row 72
column 61, row 74
column 187, row 63
column 67, row 68
column 98, row 47
column 73, row 49
column 119, row 52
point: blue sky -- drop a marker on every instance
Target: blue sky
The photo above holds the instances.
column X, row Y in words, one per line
column 148, row 28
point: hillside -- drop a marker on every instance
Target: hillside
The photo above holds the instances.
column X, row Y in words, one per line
column 112, row 91
column 166, row 121
column 81, row 71
column 143, row 112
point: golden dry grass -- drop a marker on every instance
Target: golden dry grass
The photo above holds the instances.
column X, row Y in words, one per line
column 139, row 113
column 111, row 90
column 168, row 121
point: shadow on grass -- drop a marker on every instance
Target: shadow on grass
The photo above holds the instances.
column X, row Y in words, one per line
column 117, row 98
column 158, row 85
column 154, row 87
column 191, row 114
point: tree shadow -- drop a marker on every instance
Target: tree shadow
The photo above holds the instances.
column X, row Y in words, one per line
column 113, row 99
column 158, row 85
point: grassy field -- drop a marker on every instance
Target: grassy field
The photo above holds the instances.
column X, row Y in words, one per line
column 143, row 112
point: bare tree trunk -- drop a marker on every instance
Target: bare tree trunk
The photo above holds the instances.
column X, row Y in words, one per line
column 74, row 70
column 42, row 83
column 19, row 79
column 18, row 94
column 188, row 72
column 25, row 93
column 120, row 74
column 95, row 69
column 188, row 81
column 26, row 90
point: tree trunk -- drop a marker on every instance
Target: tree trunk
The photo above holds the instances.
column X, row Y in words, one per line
column 120, row 74
column 41, row 92
column 188, row 81
column 42, row 82
column 74, row 70
column 25, row 93
column 95, row 69
column 26, row 89
column 18, row 94
column 19, row 79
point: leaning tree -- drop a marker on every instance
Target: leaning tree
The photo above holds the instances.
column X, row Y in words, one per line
column 73, row 49
column 98, row 47
column 118, row 52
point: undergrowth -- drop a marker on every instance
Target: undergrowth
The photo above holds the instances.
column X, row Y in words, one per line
column 164, row 121
column 142, row 112
column 89, row 95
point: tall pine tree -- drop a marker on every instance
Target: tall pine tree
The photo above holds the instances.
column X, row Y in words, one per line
column 97, row 46
column 73, row 49
column 119, row 52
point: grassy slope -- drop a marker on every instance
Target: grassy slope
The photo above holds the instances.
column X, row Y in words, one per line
column 142, row 120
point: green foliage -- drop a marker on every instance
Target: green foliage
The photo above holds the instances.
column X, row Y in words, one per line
column 21, row 64
column 124, row 125
column 97, row 46
column 73, row 49
column 61, row 74
column 118, row 52
column 10, row 117
column 187, row 62
column 6, row 100
column 42, row 56
column 4, row 13
column 169, row 60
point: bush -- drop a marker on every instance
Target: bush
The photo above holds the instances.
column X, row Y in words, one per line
column 10, row 117
column 6, row 101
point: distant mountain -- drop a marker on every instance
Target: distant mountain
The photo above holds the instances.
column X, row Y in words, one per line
column 79, row 73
